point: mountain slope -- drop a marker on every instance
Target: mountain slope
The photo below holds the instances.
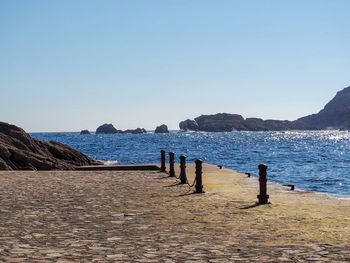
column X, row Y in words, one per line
column 335, row 115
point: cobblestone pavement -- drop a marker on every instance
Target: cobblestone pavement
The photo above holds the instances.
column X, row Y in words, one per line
column 146, row 217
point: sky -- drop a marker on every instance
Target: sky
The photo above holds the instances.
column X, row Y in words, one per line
column 68, row 65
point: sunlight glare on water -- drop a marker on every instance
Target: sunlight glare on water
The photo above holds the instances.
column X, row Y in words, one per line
column 312, row 160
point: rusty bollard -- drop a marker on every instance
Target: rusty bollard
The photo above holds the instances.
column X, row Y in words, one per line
column 263, row 196
column 162, row 161
column 199, row 186
column 171, row 164
column 183, row 178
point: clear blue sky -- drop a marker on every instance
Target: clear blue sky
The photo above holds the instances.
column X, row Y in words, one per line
column 67, row 65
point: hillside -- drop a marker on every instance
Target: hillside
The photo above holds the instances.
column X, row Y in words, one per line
column 335, row 115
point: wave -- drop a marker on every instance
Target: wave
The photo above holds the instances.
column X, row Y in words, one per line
column 110, row 162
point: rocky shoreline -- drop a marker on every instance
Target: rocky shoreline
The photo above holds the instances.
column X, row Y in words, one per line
column 19, row 151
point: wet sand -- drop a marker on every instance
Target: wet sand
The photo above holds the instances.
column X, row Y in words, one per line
column 145, row 216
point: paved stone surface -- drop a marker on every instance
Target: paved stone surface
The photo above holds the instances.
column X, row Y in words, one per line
column 145, row 217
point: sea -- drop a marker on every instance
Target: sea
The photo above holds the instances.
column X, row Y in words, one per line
column 317, row 161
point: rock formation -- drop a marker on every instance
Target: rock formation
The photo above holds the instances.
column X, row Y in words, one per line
column 162, row 129
column 106, row 129
column 85, row 132
column 255, row 124
column 109, row 129
column 335, row 115
column 136, row 131
column 223, row 122
column 18, row 151
column 189, row 125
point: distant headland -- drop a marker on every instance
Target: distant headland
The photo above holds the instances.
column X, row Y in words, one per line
column 335, row 115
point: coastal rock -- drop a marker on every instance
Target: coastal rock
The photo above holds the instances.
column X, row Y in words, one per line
column 3, row 165
column 221, row 122
column 106, row 129
column 189, row 125
column 225, row 122
column 162, row 129
column 85, row 132
column 18, row 151
column 335, row 115
column 109, row 129
column 136, row 131
column 255, row 124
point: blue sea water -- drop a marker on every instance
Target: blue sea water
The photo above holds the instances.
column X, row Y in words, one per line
column 312, row 160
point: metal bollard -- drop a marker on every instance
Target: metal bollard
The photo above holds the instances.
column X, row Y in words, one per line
column 183, row 178
column 171, row 164
column 162, row 161
column 199, row 186
column 263, row 196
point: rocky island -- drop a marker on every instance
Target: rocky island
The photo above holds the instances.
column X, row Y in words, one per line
column 19, row 151
column 226, row 122
column 107, row 129
column 85, row 132
column 335, row 115
column 161, row 129
column 135, row 131
column 110, row 129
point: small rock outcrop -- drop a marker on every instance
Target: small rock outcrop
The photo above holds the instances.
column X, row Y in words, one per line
column 161, row 129
column 136, row 131
column 189, row 125
column 19, row 151
column 106, row 129
column 85, row 132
